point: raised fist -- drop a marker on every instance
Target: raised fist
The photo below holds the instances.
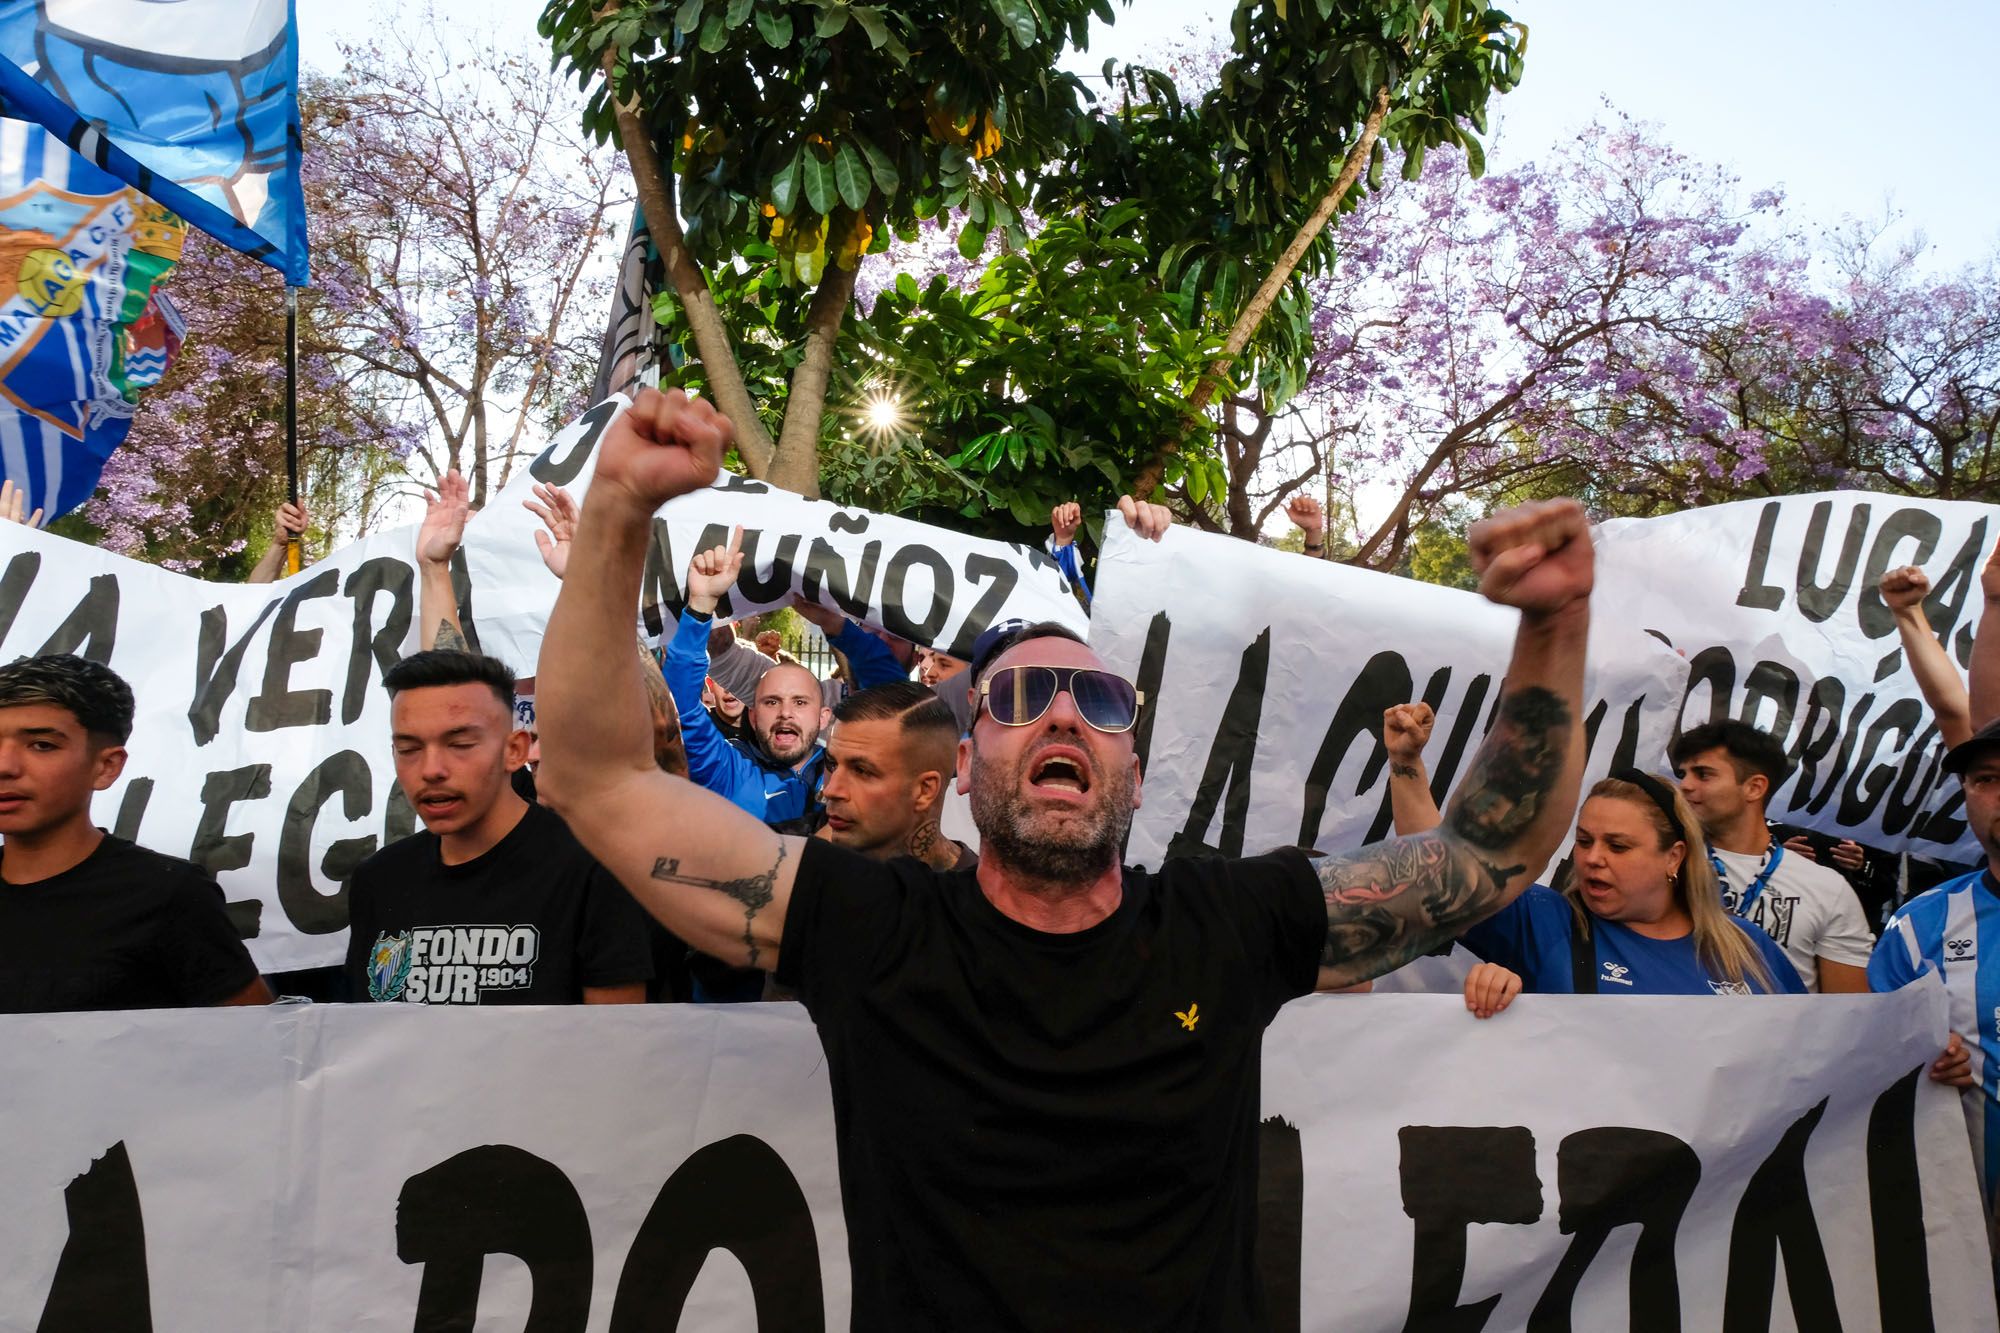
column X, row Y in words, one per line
column 664, row 445
column 1535, row 556
column 1406, row 730
column 1065, row 518
column 1905, row 587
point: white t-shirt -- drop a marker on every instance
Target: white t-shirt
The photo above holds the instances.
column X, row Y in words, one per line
column 1807, row 908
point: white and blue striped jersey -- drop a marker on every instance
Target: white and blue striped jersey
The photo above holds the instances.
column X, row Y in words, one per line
column 1954, row 930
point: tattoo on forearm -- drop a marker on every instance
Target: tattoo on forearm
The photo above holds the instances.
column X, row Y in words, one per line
column 1405, row 771
column 448, row 637
column 1394, row 901
column 754, row 892
column 1514, row 771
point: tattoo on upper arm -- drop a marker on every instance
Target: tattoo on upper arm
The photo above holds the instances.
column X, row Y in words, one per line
column 1393, row 901
column 1514, row 771
column 449, row 637
column 754, row 892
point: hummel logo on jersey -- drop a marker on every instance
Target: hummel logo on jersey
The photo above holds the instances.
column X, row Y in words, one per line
column 1615, row 972
column 1958, row 950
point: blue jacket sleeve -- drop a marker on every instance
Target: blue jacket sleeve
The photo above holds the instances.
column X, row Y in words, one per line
column 712, row 761
column 872, row 661
column 1072, row 567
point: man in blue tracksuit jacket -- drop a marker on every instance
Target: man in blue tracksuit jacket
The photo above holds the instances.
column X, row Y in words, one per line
column 774, row 777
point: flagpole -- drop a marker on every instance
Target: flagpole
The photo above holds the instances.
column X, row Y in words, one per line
column 294, row 557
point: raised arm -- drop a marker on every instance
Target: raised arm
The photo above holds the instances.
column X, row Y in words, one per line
column 711, row 874
column 1903, row 591
column 1392, row 901
column 1406, row 730
column 445, row 512
column 287, row 527
column 1984, row 685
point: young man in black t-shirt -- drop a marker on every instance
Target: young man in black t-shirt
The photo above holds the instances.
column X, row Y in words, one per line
column 1045, row 1071
column 494, row 902
column 87, row 920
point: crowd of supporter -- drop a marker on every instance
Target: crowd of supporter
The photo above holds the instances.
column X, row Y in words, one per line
column 1676, row 882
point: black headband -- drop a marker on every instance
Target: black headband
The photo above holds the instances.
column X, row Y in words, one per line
column 1659, row 792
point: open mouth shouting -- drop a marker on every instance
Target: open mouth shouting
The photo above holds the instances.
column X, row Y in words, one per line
column 1060, row 771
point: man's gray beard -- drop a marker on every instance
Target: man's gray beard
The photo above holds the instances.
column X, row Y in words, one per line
column 999, row 812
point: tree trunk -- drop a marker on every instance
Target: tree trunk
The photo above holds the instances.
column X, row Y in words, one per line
column 1247, row 323
column 711, row 335
column 795, row 466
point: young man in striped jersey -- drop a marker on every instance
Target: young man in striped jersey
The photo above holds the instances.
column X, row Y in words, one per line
column 1954, row 929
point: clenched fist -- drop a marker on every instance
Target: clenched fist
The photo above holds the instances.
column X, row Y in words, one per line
column 1904, row 588
column 663, row 446
column 1535, row 556
column 1406, row 730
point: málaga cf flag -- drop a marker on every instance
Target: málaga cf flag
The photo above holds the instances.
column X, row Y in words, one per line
column 193, row 103
column 82, row 328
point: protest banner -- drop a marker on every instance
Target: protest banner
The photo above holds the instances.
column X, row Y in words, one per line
column 1775, row 606
column 1651, row 1163
column 1266, row 676
column 261, row 743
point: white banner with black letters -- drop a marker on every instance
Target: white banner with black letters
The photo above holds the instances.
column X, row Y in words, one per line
column 261, row 748
column 1775, row 605
column 1576, row 1162
column 1266, row 676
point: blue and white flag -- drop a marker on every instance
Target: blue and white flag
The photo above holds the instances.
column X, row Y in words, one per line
column 194, row 103
column 82, row 329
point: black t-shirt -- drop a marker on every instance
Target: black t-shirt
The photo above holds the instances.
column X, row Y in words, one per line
column 533, row 920
column 1049, row 1131
column 125, row 928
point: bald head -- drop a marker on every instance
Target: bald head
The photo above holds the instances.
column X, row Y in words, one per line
column 787, row 712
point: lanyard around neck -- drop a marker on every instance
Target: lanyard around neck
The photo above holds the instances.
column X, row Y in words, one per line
column 1772, row 857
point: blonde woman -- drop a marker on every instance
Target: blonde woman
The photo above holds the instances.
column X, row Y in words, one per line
column 1637, row 913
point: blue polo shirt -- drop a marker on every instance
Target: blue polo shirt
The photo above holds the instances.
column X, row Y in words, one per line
column 1532, row 936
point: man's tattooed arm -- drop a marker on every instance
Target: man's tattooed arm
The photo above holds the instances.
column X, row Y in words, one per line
column 448, row 637
column 1394, row 901
column 752, row 892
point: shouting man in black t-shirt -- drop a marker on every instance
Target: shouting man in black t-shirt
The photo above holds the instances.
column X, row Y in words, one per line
column 494, row 902
column 87, row 920
column 1044, row 1071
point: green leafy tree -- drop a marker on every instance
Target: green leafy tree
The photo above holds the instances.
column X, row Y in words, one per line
column 794, row 138
column 818, row 128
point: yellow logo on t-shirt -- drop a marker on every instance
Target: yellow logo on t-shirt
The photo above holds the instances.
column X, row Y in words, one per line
column 1190, row 1017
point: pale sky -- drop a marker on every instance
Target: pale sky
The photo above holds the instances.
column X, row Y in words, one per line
column 1847, row 106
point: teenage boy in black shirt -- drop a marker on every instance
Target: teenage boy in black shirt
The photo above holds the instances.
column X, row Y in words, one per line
column 1045, row 1071
column 88, row 920
column 494, row 902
